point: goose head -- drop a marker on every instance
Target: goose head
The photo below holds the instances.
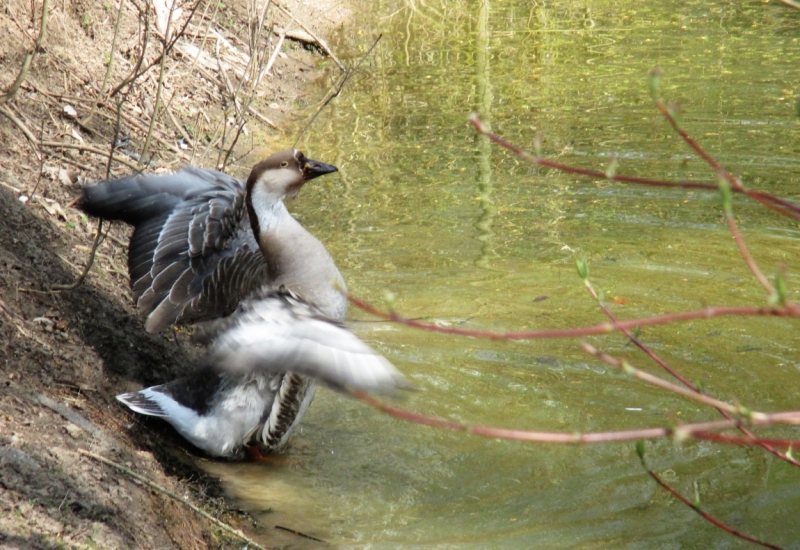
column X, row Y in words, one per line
column 280, row 177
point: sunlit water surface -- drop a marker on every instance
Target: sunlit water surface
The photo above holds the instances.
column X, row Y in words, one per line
column 463, row 233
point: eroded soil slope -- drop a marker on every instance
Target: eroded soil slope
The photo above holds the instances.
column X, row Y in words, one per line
column 66, row 353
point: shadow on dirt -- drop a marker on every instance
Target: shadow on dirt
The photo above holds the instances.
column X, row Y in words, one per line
column 100, row 345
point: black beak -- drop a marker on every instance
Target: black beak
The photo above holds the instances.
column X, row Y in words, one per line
column 314, row 169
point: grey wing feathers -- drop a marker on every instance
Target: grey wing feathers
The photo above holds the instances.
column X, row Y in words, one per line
column 276, row 335
column 193, row 255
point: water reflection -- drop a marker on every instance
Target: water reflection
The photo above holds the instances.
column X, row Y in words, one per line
column 464, row 233
column 483, row 78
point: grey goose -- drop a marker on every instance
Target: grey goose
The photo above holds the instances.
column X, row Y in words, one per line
column 207, row 247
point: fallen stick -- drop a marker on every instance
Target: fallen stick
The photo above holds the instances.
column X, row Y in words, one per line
column 224, row 526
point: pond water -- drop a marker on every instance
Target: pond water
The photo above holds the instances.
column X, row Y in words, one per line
column 462, row 232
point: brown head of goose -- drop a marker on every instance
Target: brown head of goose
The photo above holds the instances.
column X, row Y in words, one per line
column 208, row 246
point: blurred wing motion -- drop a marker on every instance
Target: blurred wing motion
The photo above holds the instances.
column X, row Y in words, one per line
column 192, row 255
column 277, row 332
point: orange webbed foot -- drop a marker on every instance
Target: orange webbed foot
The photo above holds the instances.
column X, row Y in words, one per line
column 255, row 454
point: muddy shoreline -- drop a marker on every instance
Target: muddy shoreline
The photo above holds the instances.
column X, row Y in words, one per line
column 67, row 353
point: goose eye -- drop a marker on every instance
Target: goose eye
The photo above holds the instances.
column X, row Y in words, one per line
column 284, row 164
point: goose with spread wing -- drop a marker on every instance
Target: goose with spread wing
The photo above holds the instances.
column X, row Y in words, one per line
column 207, row 246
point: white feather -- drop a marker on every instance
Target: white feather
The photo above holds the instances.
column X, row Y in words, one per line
column 270, row 337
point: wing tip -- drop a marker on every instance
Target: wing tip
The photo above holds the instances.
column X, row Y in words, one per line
column 140, row 403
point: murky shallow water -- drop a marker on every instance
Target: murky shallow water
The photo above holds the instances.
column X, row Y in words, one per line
column 462, row 232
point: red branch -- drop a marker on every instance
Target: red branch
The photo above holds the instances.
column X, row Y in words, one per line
column 708, row 517
column 660, row 362
column 681, row 432
column 789, row 310
column 774, row 203
column 778, row 204
column 750, row 439
column 576, row 438
column 748, row 259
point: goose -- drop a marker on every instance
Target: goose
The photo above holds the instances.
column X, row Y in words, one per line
column 207, row 247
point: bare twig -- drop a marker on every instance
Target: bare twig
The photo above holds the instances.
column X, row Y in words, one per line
column 275, row 52
column 41, row 163
column 279, row 45
column 19, row 124
column 178, row 126
column 228, row 153
column 110, row 66
column 254, row 71
column 298, row 533
column 23, row 72
column 746, row 256
column 157, row 104
column 167, row 49
column 134, row 74
column 84, row 147
column 152, row 484
column 748, row 441
column 98, row 236
column 80, row 146
column 69, row 414
column 77, row 282
column 337, row 89
column 19, row 191
column 261, row 117
column 734, row 182
column 636, row 341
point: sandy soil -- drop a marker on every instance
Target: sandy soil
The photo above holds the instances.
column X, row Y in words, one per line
column 65, row 354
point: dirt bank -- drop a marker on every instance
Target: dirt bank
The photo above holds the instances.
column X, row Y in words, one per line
column 66, row 353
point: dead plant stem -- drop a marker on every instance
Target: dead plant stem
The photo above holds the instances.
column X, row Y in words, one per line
column 80, row 146
column 152, row 484
column 337, row 88
column 41, row 163
column 26, row 65
column 91, row 149
column 77, row 282
column 19, row 124
column 167, row 49
column 159, row 88
column 109, row 67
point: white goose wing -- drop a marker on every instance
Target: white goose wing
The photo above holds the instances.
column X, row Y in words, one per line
column 280, row 333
